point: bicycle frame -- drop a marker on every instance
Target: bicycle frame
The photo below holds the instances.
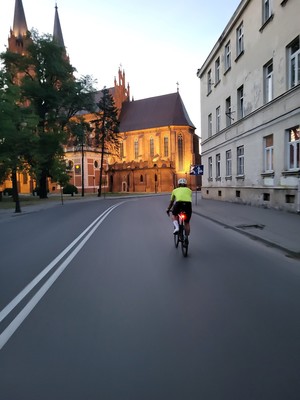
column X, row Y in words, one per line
column 181, row 236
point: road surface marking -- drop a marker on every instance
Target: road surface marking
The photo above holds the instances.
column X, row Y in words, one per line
column 13, row 326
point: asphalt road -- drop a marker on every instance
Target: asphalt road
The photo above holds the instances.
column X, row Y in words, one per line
column 98, row 304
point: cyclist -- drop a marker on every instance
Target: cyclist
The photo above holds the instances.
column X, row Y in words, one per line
column 182, row 197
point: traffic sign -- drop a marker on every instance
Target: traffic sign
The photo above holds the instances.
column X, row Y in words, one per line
column 196, row 169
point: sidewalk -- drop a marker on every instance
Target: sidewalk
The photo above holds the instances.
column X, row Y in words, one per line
column 277, row 228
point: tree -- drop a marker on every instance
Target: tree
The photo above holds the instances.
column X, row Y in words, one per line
column 106, row 129
column 47, row 83
column 17, row 127
column 79, row 132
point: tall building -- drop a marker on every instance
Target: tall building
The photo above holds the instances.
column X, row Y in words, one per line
column 158, row 141
column 250, row 107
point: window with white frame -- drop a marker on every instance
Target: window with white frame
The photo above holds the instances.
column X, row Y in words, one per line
column 293, row 135
column 266, row 10
column 268, row 153
column 209, row 125
column 136, row 148
column 268, row 82
column 240, row 101
column 240, row 39
column 294, row 63
column 228, row 163
column 209, row 82
column 218, row 166
column 210, row 168
column 240, row 160
column 218, row 119
column 217, row 70
column 228, row 111
column 227, row 57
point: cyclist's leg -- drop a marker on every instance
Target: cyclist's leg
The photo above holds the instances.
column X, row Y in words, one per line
column 175, row 212
column 187, row 228
column 188, row 211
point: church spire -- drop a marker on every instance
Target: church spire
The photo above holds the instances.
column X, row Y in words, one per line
column 57, row 32
column 19, row 39
column 20, row 26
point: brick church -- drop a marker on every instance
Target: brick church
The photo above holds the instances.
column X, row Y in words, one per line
column 158, row 142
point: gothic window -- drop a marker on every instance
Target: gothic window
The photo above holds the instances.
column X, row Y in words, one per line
column 151, row 147
column 180, row 152
column 121, row 149
column 166, row 146
column 136, row 148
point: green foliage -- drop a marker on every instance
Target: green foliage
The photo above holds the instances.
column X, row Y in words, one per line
column 17, row 128
column 107, row 123
column 70, row 189
column 79, row 130
column 106, row 128
column 8, row 192
column 55, row 96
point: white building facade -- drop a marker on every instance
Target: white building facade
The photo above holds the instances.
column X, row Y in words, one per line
column 250, row 107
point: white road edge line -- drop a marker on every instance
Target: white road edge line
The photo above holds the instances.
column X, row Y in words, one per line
column 41, row 275
column 8, row 332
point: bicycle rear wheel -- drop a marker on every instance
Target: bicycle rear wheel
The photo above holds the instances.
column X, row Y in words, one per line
column 184, row 244
column 176, row 239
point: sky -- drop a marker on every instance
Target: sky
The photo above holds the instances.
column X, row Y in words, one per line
column 158, row 43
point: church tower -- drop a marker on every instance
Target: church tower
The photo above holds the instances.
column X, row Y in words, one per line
column 19, row 36
column 57, row 31
column 120, row 92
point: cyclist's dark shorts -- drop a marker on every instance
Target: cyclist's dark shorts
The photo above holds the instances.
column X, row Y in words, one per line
column 183, row 206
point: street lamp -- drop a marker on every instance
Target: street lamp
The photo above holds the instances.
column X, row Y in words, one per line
column 133, row 187
column 154, row 160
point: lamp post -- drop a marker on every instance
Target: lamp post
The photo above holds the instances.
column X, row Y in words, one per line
column 82, row 165
column 14, row 179
column 133, row 187
column 154, row 160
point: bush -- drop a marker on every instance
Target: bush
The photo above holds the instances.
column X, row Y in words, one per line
column 8, row 192
column 70, row 189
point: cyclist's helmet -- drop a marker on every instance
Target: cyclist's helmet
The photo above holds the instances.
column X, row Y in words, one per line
column 182, row 181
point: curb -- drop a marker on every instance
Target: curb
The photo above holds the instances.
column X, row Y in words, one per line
column 290, row 253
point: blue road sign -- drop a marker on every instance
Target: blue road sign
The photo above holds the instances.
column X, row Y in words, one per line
column 196, row 169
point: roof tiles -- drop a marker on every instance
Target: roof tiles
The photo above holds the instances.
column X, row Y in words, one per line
column 154, row 112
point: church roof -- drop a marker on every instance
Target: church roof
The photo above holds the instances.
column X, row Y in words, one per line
column 154, row 112
column 57, row 31
column 20, row 25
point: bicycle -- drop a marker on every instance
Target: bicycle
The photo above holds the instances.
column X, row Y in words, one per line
column 181, row 235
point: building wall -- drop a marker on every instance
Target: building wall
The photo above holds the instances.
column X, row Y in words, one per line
column 263, row 42
column 154, row 168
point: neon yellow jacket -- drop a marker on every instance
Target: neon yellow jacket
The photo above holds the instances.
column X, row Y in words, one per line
column 182, row 194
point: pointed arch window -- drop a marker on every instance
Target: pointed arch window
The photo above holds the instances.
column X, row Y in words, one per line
column 136, row 148
column 180, row 152
column 121, row 149
column 166, row 146
column 151, row 147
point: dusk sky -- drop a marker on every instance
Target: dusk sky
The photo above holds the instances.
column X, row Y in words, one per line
column 158, row 43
